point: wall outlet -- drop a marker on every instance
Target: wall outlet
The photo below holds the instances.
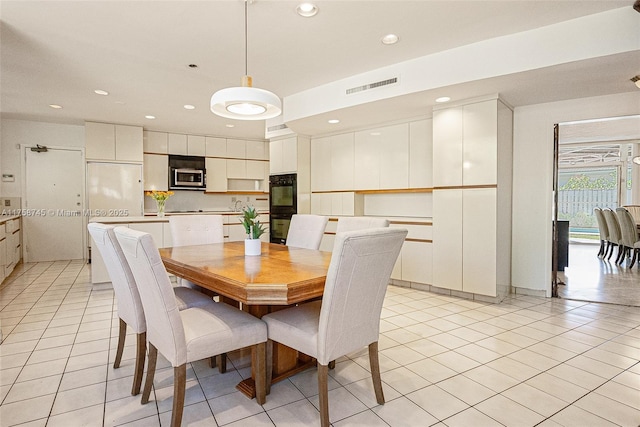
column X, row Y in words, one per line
column 7, row 202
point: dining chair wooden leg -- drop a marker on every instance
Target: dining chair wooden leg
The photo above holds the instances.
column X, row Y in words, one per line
column 122, row 334
column 269, row 366
column 635, row 257
column 375, row 372
column 601, row 251
column 332, row 364
column 179, row 385
column 611, row 247
column 151, row 371
column 323, row 394
column 222, row 363
column 258, row 360
column 212, row 362
column 141, row 352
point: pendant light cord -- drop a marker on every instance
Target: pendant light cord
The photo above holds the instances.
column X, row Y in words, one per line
column 246, row 38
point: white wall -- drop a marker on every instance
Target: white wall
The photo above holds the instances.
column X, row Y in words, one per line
column 16, row 132
column 533, row 178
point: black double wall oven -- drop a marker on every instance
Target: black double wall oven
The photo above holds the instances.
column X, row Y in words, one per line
column 283, row 203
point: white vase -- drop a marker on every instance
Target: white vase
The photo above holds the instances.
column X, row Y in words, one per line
column 252, row 247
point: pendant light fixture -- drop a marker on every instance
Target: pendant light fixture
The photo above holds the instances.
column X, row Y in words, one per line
column 246, row 102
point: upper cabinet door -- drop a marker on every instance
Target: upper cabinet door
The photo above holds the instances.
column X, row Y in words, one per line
column 129, row 143
column 255, row 150
column 100, row 141
column 394, row 156
column 196, row 145
column 342, row 158
column 447, row 147
column 215, row 147
column 480, row 149
column 367, row 160
column 155, row 142
column 321, row 164
column 236, row 149
column 421, row 154
column 177, row 144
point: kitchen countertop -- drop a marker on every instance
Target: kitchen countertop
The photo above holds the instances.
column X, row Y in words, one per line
column 152, row 217
column 5, row 218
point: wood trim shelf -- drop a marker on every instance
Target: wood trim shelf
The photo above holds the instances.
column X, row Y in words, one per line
column 388, row 191
column 465, row 187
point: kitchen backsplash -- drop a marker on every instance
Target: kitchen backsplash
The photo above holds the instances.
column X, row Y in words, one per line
column 186, row 200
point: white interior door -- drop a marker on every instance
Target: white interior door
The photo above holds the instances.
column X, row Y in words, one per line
column 53, row 205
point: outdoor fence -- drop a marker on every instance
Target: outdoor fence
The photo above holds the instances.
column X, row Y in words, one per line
column 577, row 206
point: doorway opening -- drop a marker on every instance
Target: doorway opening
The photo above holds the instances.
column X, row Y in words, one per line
column 594, row 168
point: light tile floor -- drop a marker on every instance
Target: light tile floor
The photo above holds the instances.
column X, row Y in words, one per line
column 445, row 362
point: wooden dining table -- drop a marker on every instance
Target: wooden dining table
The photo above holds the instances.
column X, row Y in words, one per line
column 279, row 277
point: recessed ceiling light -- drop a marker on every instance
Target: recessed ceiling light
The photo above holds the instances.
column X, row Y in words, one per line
column 307, row 10
column 443, row 99
column 389, row 39
column 150, row 117
column 189, row 107
column 636, row 80
column 230, row 125
column 333, row 121
column 101, row 92
column 56, row 106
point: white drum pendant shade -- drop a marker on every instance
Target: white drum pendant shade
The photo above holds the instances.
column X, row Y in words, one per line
column 246, row 103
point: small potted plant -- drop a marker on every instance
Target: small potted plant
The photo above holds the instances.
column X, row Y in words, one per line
column 254, row 229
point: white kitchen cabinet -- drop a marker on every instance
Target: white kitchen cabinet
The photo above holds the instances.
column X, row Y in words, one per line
column 367, row 167
column 236, row 231
column 345, row 203
column 321, row 164
column 245, row 169
column 177, row 144
column 472, row 158
column 421, row 154
column 283, row 156
column 447, row 239
column 416, row 260
column 382, row 156
column 394, row 157
column 255, row 150
column 105, row 141
column 13, row 247
column 153, row 228
column 216, row 174
column 155, row 142
column 196, row 145
column 342, row 161
column 3, row 252
column 479, row 243
column 215, row 147
column 156, row 172
column 236, row 149
column 129, row 143
column 447, row 147
column 236, row 169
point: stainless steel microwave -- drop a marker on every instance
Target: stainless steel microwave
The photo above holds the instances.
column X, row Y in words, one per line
column 187, row 173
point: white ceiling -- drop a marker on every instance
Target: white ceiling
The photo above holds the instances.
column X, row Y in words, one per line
column 59, row 52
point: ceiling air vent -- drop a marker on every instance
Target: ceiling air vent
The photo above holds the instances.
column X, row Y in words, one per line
column 381, row 83
column 276, row 127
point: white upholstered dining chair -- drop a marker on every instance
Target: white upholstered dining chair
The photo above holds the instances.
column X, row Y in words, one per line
column 189, row 230
column 615, row 234
column 603, row 230
column 353, row 223
column 348, row 316
column 306, row 231
column 630, row 240
column 130, row 311
column 188, row 335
